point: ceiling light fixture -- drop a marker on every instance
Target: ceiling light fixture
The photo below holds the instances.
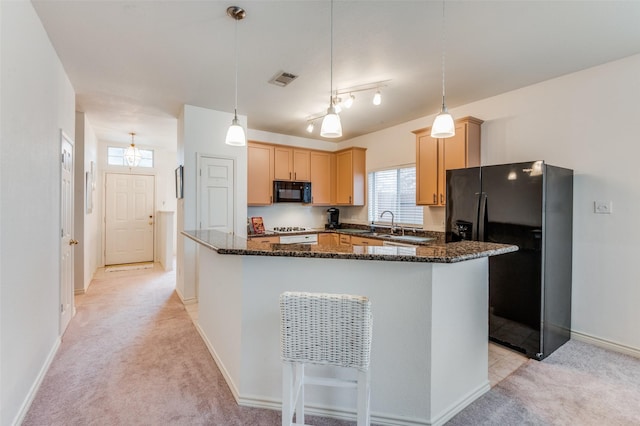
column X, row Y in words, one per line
column 331, row 126
column 377, row 98
column 443, row 125
column 132, row 154
column 348, row 103
column 235, row 134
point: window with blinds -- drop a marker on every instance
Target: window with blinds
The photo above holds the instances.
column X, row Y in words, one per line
column 394, row 190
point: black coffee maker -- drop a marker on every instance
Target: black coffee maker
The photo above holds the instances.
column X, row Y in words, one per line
column 332, row 218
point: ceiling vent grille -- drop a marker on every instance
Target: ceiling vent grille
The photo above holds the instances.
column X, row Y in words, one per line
column 283, row 79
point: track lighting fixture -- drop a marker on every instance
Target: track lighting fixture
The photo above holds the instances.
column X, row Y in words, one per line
column 377, row 98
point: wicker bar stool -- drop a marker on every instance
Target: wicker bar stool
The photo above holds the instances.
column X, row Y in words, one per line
column 328, row 329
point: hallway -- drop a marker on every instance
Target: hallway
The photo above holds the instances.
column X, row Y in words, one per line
column 132, row 355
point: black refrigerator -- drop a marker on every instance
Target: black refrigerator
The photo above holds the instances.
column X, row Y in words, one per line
column 529, row 205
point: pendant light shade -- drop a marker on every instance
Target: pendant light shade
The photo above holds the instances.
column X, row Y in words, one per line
column 132, row 154
column 443, row 125
column 235, row 134
column 331, row 126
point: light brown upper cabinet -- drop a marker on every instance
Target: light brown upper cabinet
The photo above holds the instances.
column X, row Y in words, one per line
column 435, row 156
column 259, row 174
column 350, row 177
column 322, row 172
column 292, row 164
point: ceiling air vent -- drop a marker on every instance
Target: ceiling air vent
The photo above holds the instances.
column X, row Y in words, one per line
column 283, row 79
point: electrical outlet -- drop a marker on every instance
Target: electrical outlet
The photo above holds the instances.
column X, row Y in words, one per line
column 602, row 207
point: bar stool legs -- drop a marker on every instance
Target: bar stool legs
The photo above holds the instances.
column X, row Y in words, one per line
column 324, row 329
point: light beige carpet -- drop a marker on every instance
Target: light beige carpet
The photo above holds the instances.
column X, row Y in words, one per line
column 579, row 384
column 132, row 356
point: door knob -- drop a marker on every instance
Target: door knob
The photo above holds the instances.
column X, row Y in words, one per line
column 73, row 242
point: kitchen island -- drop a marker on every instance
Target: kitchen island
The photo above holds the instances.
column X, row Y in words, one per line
column 429, row 304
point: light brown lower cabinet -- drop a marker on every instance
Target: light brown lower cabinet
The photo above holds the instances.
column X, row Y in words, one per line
column 345, row 240
column 328, row 239
column 360, row 241
column 265, row 240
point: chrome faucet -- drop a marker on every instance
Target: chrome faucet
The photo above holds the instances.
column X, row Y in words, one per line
column 393, row 226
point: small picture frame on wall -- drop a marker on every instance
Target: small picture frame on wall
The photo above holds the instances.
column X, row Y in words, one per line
column 179, row 185
column 88, row 193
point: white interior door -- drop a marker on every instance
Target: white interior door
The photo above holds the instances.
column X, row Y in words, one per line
column 67, row 242
column 129, row 218
column 216, row 194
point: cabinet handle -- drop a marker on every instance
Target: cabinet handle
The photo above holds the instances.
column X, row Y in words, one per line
column 295, row 175
column 289, row 175
column 349, row 199
column 435, row 199
column 441, row 199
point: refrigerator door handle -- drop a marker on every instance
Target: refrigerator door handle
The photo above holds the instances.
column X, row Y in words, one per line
column 482, row 213
column 474, row 227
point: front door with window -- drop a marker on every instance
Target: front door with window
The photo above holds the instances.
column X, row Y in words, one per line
column 129, row 218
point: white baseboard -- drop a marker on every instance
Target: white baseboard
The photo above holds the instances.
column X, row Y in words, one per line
column 312, row 410
column 36, row 384
column 221, row 366
column 461, row 404
column 607, row 344
column 184, row 301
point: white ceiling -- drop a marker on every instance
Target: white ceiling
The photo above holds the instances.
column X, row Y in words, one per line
column 133, row 64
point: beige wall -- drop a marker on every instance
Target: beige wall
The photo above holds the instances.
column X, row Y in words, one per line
column 37, row 102
column 585, row 121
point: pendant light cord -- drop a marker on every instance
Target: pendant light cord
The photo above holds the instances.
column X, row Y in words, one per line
column 235, row 47
column 443, row 51
column 331, row 58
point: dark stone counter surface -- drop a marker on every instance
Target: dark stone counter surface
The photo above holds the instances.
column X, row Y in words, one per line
column 434, row 253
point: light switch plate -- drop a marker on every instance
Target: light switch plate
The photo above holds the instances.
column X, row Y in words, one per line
column 602, row 207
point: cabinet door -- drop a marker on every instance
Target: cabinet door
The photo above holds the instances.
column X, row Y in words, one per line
column 320, row 173
column 351, row 177
column 259, row 174
column 328, row 239
column 345, row 240
column 344, row 177
column 454, row 156
column 283, row 163
column 426, row 170
column 301, row 165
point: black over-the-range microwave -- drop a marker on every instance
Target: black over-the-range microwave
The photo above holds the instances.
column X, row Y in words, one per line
column 291, row 192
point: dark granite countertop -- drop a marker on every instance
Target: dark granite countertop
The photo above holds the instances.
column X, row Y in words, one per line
column 433, row 253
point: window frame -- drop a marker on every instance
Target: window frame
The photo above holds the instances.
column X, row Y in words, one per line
column 143, row 151
column 400, row 218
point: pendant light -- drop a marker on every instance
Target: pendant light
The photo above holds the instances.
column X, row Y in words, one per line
column 443, row 125
column 235, row 134
column 331, row 126
column 132, row 154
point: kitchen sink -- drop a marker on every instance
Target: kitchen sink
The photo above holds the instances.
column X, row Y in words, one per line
column 411, row 238
column 354, row 231
column 407, row 238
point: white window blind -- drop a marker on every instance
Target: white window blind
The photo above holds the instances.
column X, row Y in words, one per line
column 115, row 157
column 394, row 190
